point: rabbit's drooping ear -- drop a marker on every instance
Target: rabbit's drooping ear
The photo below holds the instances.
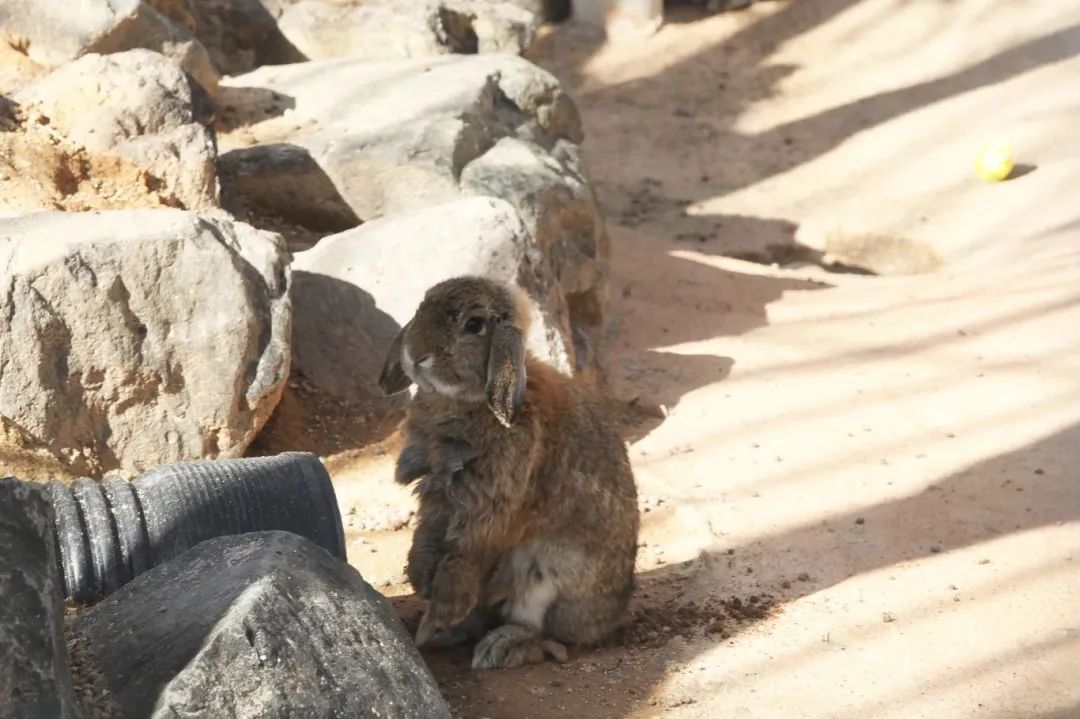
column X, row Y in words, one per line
column 393, row 379
column 506, row 373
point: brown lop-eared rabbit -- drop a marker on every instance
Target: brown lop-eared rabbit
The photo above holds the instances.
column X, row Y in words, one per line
column 527, row 519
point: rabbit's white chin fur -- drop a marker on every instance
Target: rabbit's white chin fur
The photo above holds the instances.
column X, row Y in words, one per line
column 454, row 391
column 419, row 372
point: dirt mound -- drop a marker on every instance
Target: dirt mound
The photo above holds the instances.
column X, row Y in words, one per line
column 653, row 625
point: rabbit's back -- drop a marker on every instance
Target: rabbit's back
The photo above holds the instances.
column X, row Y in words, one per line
column 583, row 485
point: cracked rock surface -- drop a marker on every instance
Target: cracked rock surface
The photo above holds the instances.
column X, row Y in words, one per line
column 133, row 338
column 257, row 625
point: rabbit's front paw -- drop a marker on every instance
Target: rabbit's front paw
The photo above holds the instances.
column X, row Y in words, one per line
column 454, row 592
column 420, row 569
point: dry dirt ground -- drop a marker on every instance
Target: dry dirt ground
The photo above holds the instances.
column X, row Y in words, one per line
column 861, row 491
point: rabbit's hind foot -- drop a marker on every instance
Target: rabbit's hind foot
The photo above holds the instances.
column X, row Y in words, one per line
column 513, row 645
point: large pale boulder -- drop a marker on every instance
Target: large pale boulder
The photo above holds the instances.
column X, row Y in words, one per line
column 133, row 338
column 55, row 32
column 413, row 133
column 258, row 625
column 387, row 29
column 138, row 105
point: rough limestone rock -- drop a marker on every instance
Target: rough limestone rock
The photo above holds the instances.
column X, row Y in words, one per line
column 388, row 29
column 139, row 105
column 34, row 677
column 55, row 32
column 353, row 291
column 413, row 133
column 16, row 69
column 283, row 180
column 129, row 339
column 258, row 625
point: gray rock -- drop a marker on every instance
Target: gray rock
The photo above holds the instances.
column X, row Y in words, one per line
column 135, row 338
column 139, row 105
column 413, row 133
column 181, row 13
column 58, row 31
column 257, row 625
column 283, row 180
column 555, row 201
column 34, row 677
column 388, row 29
column 353, row 291
column 241, row 35
column 546, row 10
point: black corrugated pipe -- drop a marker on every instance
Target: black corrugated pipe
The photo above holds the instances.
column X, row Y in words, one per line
column 111, row 531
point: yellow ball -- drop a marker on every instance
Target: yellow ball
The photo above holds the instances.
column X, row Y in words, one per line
column 994, row 162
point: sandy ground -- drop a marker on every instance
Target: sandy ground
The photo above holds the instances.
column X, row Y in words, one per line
column 864, row 499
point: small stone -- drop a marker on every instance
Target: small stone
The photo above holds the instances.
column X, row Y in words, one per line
column 887, row 617
column 860, row 520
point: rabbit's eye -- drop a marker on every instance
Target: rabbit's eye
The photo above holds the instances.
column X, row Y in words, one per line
column 474, row 325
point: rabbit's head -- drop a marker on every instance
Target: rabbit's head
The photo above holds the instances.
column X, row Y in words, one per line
column 467, row 342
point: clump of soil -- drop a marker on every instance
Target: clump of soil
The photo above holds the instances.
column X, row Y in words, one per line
column 653, row 625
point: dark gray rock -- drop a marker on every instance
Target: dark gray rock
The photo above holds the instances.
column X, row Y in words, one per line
column 257, row 625
column 34, row 677
column 546, row 10
column 241, row 35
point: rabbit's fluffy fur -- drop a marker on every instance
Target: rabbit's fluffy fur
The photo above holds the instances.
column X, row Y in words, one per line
column 527, row 520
